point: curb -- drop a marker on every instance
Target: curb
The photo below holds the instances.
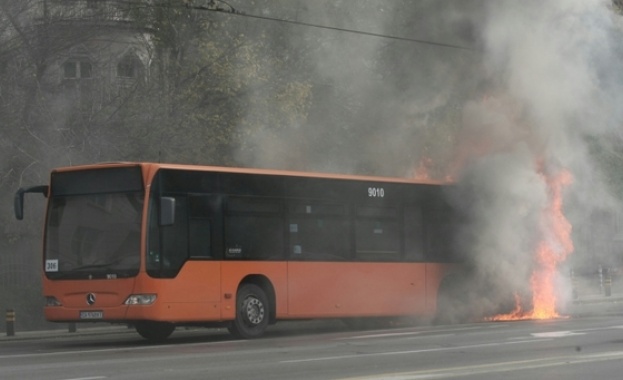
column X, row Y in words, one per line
column 51, row 334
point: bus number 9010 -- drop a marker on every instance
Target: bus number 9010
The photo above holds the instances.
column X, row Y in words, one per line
column 376, row 192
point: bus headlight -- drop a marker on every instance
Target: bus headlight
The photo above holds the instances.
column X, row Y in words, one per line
column 140, row 299
column 52, row 301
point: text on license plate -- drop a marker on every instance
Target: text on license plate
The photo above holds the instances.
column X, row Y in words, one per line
column 91, row 314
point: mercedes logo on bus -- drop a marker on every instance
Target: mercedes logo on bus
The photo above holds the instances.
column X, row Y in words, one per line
column 91, row 298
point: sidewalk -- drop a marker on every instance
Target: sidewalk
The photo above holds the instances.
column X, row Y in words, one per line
column 592, row 299
column 594, row 305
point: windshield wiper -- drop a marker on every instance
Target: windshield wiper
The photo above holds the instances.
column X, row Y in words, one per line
column 98, row 266
column 94, row 266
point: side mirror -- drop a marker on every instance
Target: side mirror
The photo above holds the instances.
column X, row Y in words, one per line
column 18, row 201
column 167, row 211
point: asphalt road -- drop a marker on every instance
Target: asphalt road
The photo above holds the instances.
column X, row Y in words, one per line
column 589, row 347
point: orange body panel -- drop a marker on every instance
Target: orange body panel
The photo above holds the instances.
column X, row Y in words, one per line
column 110, row 296
column 205, row 291
column 355, row 289
column 194, row 295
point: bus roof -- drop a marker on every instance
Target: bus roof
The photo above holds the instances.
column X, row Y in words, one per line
column 152, row 167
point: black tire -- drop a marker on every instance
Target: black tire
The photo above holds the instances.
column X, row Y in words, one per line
column 154, row 332
column 252, row 313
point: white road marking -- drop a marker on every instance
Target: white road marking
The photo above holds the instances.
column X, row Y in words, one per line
column 327, row 358
column 556, row 334
column 481, row 369
column 386, row 335
column 117, row 349
column 452, row 331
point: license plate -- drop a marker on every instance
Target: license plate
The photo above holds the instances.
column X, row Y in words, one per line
column 91, row 314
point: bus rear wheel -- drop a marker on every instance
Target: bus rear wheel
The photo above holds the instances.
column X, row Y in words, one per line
column 154, row 331
column 454, row 304
column 252, row 312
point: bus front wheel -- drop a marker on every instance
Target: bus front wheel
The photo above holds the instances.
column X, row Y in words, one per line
column 154, row 331
column 252, row 312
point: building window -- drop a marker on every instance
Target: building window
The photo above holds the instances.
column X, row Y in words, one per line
column 77, row 69
column 128, row 67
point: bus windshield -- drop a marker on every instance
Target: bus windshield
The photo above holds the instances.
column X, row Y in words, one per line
column 93, row 226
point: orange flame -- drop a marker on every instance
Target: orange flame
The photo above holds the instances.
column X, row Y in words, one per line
column 555, row 246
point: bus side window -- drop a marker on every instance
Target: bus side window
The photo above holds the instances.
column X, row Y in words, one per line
column 377, row 234
column 414, row 234
column 318, row 232
column 253, row 229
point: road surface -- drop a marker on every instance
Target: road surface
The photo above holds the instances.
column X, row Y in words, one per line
column 571, row 348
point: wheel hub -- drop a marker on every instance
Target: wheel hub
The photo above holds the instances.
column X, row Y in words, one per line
column 255, row 311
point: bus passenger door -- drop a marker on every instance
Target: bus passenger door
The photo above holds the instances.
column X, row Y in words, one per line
column 205, row 247
column 195, row 286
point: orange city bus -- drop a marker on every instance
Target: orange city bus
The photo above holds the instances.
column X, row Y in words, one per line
column 158, row 246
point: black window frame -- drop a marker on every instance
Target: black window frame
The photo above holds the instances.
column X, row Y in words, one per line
column 409, row 208
column 81, row 69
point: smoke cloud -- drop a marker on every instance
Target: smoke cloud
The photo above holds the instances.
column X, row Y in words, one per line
column 554, row 77
column 505, row 118
column 375, row 102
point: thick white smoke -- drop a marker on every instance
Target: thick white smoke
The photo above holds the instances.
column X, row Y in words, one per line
column 555, row 75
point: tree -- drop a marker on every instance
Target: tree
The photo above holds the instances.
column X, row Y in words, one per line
column 215, row 81
column 118, row 80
